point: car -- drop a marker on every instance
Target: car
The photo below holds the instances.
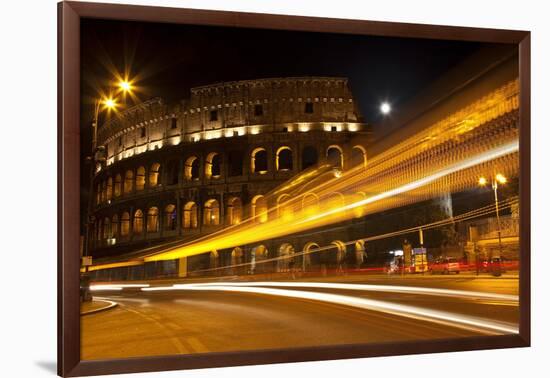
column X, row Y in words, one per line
column 445, row 265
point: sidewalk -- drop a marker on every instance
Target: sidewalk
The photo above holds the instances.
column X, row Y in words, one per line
column 96, row 305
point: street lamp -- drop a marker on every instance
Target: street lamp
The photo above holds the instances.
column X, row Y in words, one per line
column 499, row 178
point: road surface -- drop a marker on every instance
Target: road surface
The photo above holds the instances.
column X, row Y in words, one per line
column 234, row 318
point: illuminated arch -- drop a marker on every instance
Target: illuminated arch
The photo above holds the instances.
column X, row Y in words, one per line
column 118, row 185
column 114, row 226
column 258, row 161
column 333, row 200
column 212, row 168
column 340, row 251
column 153, row 219
column 125, row 224
column 109, row 195
column 106, row 228
column 360, row 253
column 310, row 259
column 211, row 212
column 214, row 259
column 310, row 203
column 128, row 182
column 259, row 208
column 154, row 174
column 103, row 191
column 170, row 217
column 285, row 250
column 140, row 178
column 191, row 170
column 234, row 211
column 358, row 211
column 190, row 215
column 237, row 256
column 283, row 159
column 138, row 222
column 335, row 156
column 285, row 209
column 358, row 156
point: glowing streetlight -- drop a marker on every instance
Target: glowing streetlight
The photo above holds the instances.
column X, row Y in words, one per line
column 385, row 108
column 125, row 85
column 499, row 178
column 482, row 181
column 109, row 103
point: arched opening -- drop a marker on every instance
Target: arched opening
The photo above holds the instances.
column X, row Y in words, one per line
column 213, row 165
column 109, row 188
column 153, row 219
column 259, row 209
column 310, row 204
column 140, row 178
column 258, row 161
column 358, row 156
column 285, row 209
column 212, row 212
column 190, row 215
column 333, row 200
column 170, row 217
column 103, row 191
column 125, row 224
column 337, row 254
column 234, row 211
column 118, row 185
column 311, row 259
column 309, row 157
column 360, row 253
column 257, row 255
column 114, row 226
column 236, row 256
column 191, row 169
column 106, row 228
column 358, row 211
column 214, row 259
column 138, row 222
column 335, row 156
column 129, row 182
column 286, row 250
column 154, row 174
column 283, row 161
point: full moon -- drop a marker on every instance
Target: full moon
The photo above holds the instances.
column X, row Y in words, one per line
column 385, row 108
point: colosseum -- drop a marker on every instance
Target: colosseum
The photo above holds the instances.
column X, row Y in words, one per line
column 173, row 173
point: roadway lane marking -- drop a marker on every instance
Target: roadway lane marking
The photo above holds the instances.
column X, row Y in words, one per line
column 173, row 339
column 471, row 323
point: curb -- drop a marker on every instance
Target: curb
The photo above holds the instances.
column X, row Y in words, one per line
column 109, row 306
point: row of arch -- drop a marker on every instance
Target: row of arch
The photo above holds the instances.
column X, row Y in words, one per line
column 141, row 178
column 336, row 254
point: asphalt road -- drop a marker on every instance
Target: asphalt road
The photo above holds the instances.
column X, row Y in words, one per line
column 218, row 319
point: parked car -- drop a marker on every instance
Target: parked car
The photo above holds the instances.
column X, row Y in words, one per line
column 445, row 265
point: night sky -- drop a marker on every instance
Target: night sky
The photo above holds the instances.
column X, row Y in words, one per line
column 166, row 60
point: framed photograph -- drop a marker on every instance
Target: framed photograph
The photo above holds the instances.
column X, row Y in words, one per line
column 239, row 188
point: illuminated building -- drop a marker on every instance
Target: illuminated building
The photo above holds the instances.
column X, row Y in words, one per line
column 178, row 172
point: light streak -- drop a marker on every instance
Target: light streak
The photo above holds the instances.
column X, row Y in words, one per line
column 418, row 313
column 248, row 233
column 116, row 287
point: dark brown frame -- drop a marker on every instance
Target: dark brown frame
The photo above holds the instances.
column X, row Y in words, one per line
column 69, row 14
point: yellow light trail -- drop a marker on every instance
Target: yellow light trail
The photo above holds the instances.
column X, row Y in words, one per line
column 280, row 227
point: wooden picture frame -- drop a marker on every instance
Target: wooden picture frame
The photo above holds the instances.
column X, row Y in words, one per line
column 69, row 14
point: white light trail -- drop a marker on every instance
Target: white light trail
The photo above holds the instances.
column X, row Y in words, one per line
column 365, row 287
column 116, row 287
column 435, row 316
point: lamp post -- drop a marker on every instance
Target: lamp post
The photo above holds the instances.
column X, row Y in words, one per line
column 495, row 181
